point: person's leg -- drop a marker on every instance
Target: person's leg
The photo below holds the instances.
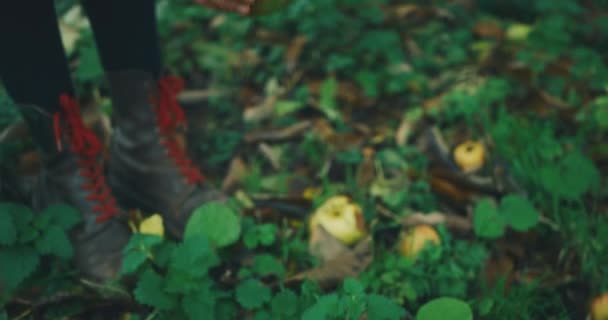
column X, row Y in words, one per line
column 126, row 34
column 33, row 66
column 148, row 167
column 34, row 71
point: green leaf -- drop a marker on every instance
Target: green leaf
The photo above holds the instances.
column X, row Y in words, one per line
column 63, row 215
column 487, row 222
column 17, row 264
column 266, row 264
column 382, row 308
column 322, row 309
column 519, row 212
column 252, row 294
column 352, row 287
column 194, row 255
column 137, row 250
column 574, row 175
column 132, row 261
column 327, row 100
column 149, row 291
column 217, row 222
column 284, row 304
column 8, row 233
column 89, row 67
column 201, row 304
column 21, row 214
column 445, row 309
column 54, row 241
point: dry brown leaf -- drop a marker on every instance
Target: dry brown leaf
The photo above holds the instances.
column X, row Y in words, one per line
column 324, row 246
column 434, row 218
column 366, row 171
column 278, row 134
column 347, row 264
column 292, row 54
column 273, row 155
column 488, row 29
column 236, row 173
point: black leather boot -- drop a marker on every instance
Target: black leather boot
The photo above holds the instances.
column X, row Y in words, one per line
column 149, row 168
column 73, row 174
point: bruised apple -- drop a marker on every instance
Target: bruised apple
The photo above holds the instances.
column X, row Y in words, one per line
column 416, row 239
column 341, row 218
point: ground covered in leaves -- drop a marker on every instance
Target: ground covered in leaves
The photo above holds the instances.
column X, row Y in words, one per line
column 347, row 134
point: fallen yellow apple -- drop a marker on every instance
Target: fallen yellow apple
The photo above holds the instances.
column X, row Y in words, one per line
column 470, row 156
column 152, row 225
column 341, row 218
column 416, row 239
column 599, row 307
column 264, row 7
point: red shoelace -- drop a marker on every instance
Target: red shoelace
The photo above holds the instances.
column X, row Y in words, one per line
column 170, row 117
column 87, row 146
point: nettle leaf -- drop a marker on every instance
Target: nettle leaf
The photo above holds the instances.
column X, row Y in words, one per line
column 194, row 255
column 17, row 264
column 21, row 218
column 382, row 308
column 266, row 264
column 216, row 221
column 63, row 215
column 519, row 212
column 487, row 222
column 571, row 177
column 284, row 304
column 200, row 304
column 149, row 291
column 54, row 241
column 264, row 234
column 8, row 232
column 252, row 294
column 323, row 308
column 137, row 251
column 445, row 309
column 352, row 301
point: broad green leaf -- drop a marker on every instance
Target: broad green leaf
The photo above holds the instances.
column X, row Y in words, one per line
column 252, row 294
column 487, row 222
column 266, row 264
column 327, row 100
column 382, row 308
column 284, row 304
column 8, row 232
column 17, row 264
column 519, row 212
column 445, row 309
column 137, row 250
column 216, row 221
column 149, row 291
column 571, row 177
column 63, row 215
column 21, row 214
column 194, row 256
column 352, row 287
column 55, row 241
column 89, row 67
column 200, row 304
column 132, row 260
column 322, row 309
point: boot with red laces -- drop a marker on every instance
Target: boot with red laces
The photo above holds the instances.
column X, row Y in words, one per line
column 149, row 168
column 73, row 175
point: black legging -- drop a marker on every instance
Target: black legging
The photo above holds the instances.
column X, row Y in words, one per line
column 33, row 64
